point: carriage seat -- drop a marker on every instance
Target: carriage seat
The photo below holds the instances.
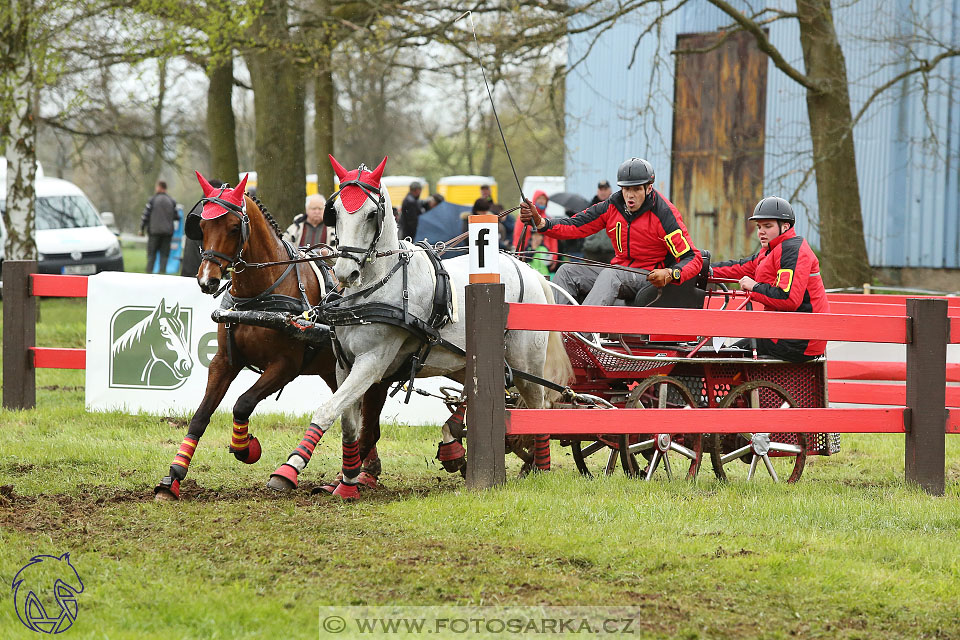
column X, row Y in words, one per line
column 689, row 295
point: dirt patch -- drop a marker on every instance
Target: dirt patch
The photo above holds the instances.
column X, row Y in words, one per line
column 175, row 423
column 723, row 553
column 57, row 387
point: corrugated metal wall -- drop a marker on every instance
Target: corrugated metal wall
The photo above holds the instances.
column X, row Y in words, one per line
column 907, row 143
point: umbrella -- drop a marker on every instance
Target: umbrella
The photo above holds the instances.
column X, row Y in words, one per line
column 570, row 201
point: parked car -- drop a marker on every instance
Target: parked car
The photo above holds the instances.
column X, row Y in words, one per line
column 71, row 238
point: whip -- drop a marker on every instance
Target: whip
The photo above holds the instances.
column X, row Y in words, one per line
column 493, row 106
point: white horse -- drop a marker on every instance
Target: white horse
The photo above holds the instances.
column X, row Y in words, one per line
column 375, row 351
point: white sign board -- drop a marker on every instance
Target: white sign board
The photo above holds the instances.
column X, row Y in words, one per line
column 150, row 340
column 484, row 239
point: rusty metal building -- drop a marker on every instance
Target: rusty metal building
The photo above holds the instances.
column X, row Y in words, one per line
column 725, row 127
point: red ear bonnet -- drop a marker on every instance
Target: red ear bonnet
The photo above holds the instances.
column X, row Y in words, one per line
column 213, row 210
column 351, row 195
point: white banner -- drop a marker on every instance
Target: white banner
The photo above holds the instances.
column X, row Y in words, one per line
column 484, row 244
column 150, row 340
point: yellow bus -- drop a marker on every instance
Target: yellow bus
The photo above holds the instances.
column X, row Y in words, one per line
column 465, row 189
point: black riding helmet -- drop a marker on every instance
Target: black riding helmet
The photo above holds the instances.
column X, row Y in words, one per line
column 774, row 208
column 635, row 172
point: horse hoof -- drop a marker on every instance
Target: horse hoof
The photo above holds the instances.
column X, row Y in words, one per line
column 367, row 480
column 452, row 456
column 167, row 490
column 347, row 491
column 373, row 467
column 249, row 455
column 283, row 479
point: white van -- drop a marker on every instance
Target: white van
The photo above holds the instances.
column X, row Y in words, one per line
column 71, row 238
column 549, row 185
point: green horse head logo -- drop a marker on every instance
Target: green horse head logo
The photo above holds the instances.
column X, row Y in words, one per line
column 151, row 347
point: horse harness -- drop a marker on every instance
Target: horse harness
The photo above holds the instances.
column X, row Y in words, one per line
column 266, row 300
column 334, row 312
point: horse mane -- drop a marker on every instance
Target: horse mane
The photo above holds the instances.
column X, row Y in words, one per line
column 267, row 215
column 132, row 335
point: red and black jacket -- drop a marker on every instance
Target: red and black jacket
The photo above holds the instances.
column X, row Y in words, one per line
column 653, row 237
column 788, row 279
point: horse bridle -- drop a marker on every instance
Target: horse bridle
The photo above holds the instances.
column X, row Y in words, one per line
column 330, row 216
column 192, row 230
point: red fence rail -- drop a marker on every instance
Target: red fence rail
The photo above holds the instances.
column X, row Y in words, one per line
column 922, row 324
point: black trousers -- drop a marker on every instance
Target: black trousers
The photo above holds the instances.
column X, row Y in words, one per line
column 158, row 244
column 789, row 350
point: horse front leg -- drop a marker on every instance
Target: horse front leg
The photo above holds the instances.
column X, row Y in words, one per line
column 219, row 378
column 244, row 446
column 367, row 368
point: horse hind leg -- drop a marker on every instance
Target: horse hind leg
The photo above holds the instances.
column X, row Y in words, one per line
column 371, row 407
column 346, row 402
column 534, row 396
column 219, row 378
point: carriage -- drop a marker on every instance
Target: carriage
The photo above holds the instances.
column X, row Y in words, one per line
column 686, row 372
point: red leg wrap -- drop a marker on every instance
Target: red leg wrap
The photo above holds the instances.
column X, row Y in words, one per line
column 240, row 438
column 541, row 452
column 309, row 442
column 185, row 452
column 286, row 471
column 351, row 459
column 455, row 422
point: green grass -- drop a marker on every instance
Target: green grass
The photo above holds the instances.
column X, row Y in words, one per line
column 849, row 552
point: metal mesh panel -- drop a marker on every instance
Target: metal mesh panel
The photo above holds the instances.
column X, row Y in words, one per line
column 585, row 357
column 805, row 383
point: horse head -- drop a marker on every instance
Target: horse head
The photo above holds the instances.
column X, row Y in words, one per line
column 171, row 347
column 359, row 211
column 222, row 236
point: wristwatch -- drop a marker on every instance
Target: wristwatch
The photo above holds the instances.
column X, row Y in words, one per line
column 676, row 275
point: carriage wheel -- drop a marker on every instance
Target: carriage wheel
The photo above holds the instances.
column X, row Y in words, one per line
column 661, row 449
column 780, row 458
column 598, row 457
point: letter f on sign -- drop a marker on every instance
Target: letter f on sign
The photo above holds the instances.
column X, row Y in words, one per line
column 481, row 243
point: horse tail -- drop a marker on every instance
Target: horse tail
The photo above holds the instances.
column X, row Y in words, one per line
column 557, row 367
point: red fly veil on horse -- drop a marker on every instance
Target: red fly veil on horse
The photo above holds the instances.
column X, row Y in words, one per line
column 213, row 210
column 351, row 195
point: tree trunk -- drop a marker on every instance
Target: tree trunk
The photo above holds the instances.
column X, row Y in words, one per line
column 221, row 125
column 278, row 94
column 323, row 118
column 18, row 128
column 843, row 248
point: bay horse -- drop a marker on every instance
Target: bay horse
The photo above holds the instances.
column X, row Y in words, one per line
column 386, row 280
column 235, row 230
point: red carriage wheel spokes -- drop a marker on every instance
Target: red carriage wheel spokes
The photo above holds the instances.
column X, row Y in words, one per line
column 782, row 455
column 660, row 449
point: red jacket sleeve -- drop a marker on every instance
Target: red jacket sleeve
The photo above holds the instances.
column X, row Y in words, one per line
column 586, row 223
column 786, row 294
column 736, row 269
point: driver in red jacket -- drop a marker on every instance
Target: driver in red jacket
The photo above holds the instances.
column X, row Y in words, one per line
column 647, row 232
column 783, row 276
